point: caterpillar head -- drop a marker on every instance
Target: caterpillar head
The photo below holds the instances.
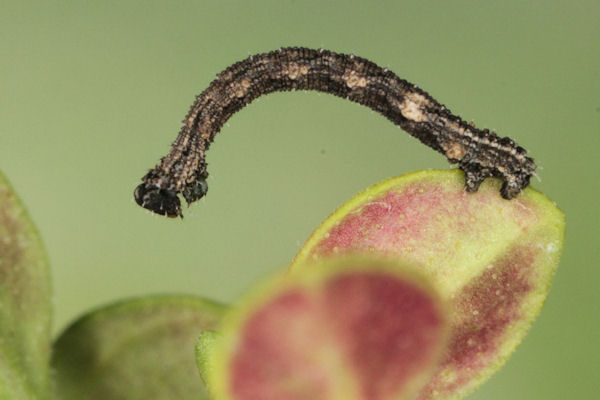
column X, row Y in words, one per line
column 159, row 201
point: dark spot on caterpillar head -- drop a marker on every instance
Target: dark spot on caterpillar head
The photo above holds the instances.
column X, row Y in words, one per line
column 159, row 201
column 195, row 191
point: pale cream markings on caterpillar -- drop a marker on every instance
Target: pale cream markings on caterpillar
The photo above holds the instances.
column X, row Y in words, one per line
column 412, row 107
column 455, row 151
column 521, row 157
column 241, row 88
column 294, row 70
column 478, row 141
column 354, row 80
column 206, row 98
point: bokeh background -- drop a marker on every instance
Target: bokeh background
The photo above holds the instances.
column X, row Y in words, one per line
column 92, row 94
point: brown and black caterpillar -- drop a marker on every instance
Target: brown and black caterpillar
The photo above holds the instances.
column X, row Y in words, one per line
column 479, row 152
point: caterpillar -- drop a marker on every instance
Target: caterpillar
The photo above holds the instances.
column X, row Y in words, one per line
column 478, row 152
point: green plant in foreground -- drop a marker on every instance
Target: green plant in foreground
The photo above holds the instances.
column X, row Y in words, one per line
column 413, row 289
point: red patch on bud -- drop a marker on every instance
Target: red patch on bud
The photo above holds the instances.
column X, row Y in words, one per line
column 388, row 329
column 376, row 224
column 369, row 333
column 397, row 221
column 273, row 359
column 488, row 306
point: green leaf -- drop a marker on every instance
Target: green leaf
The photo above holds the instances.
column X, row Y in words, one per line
column 352, row 329
column 25, row 308
column 135, row 349
column 492, row 259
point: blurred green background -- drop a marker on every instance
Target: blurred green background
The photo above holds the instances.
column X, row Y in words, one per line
column 92, row 94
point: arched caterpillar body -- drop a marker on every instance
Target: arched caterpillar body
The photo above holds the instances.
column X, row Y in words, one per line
column 479, row 153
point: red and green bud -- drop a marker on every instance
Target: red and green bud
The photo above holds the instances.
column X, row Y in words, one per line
column 492, row 259
column 351, row 329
